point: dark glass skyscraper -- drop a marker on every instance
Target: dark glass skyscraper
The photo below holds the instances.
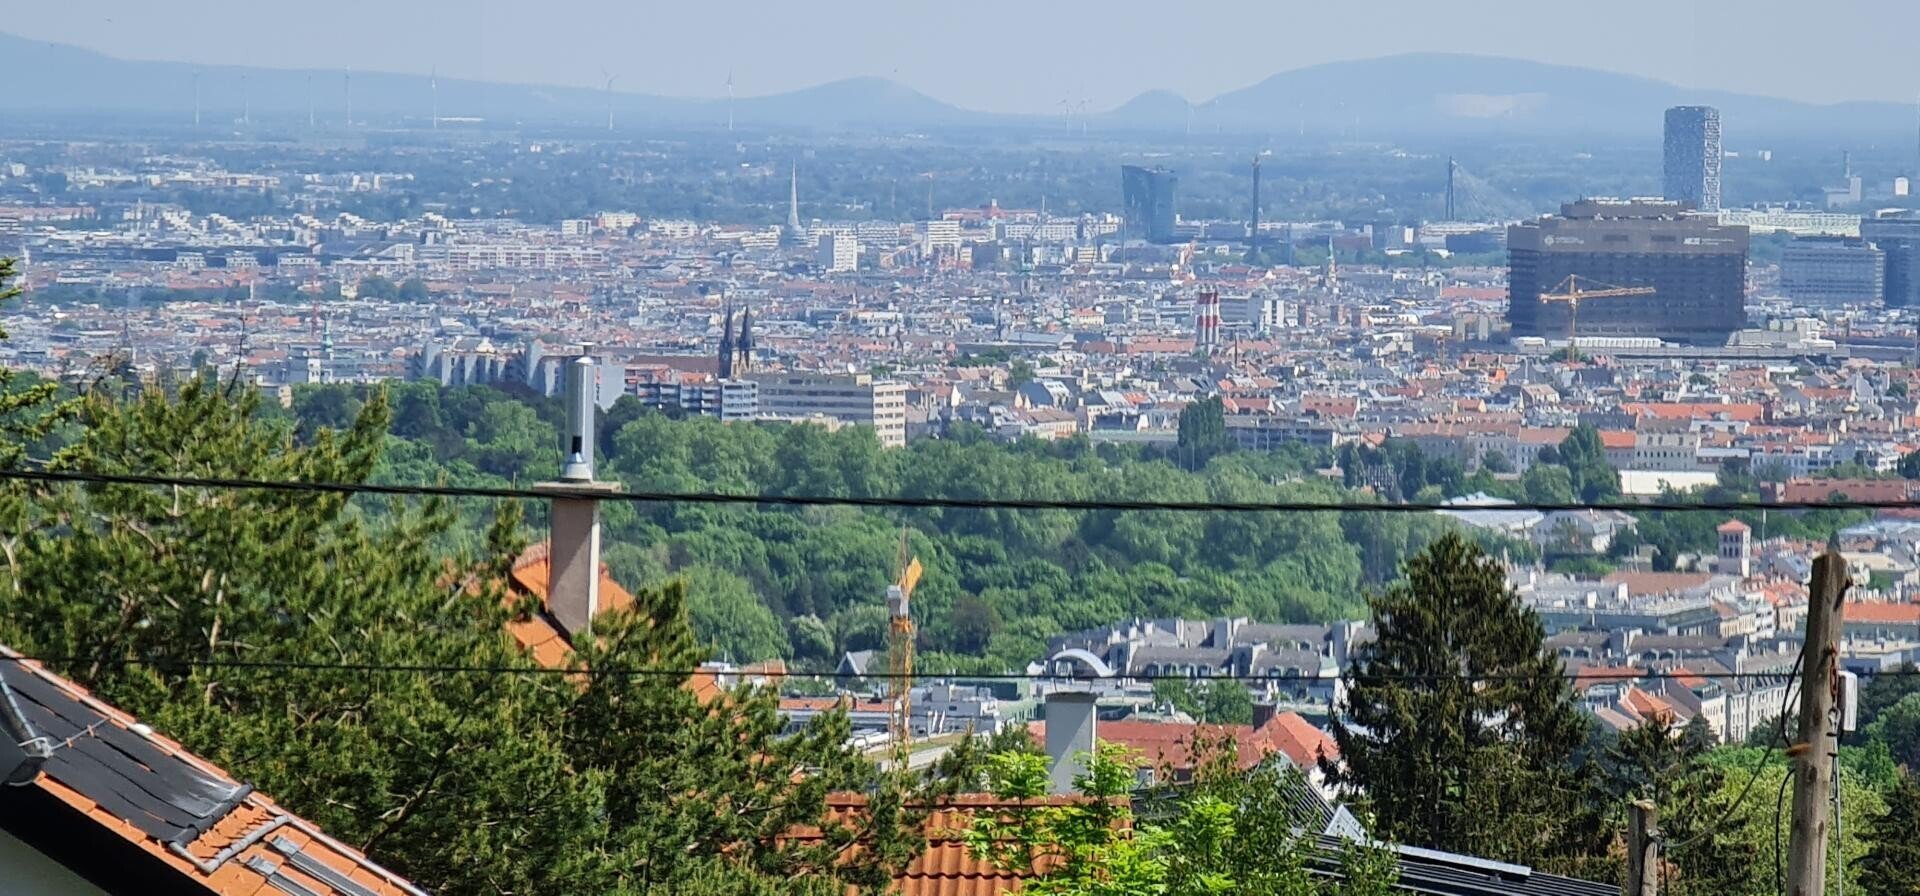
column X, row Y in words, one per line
column 1696, row 267
column 1693, row 156
column 1897, row 234
column 1146, row 194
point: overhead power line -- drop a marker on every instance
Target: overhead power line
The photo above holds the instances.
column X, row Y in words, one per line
column 652, row 672
column 938, row 502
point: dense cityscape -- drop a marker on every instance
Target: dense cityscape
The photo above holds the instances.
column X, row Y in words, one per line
column 1648, row 389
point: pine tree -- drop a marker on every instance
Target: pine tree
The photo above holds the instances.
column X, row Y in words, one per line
column 1458, row 728
column 1892, row 865
column 27, row 414
column 465, row 782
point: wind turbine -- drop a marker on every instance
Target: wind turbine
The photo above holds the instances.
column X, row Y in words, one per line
column 246, row 103
column 729, row 101
column 349, row 88
column 610, row 79
column 433, row 87
column 196, row 99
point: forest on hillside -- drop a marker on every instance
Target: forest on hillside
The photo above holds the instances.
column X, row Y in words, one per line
column 808, row 583
column 805, row 584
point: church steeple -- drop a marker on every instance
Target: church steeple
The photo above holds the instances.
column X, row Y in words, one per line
column 744, row 345
column 725, row 368
column 794, row 233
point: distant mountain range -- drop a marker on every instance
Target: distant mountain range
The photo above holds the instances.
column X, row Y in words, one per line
column 1392, row 96
column 1447, row 92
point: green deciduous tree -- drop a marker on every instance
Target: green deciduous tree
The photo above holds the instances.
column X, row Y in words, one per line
column 1227, row 831
column 1203, row 429
column 1898, row 726
column 1585, row 457
column 1458, row 729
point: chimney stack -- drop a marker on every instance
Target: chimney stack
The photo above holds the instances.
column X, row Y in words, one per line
column 1070, row 736
column 573, row 556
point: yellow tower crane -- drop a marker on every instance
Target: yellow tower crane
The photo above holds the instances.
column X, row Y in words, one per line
column 1575, row 290
column 900, row 646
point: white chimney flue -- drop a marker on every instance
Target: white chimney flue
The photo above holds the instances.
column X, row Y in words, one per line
column 1070, row 737
column 580, row 396
column 573, row 556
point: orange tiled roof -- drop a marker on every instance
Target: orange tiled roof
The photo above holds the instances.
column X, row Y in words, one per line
column 1657, row 582
column 538, row 634
column 946, row 867
column 1882, row 613
column 1171, row 743
column 248, row 844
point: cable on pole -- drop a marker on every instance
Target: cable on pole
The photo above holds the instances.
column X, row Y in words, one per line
column 932, row 502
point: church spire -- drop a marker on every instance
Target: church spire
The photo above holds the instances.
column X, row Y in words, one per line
column 725, row 368
column 794, row 234
column 744, row 345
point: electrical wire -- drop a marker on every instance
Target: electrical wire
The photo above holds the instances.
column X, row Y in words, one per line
column 1773, row 743
column 580, row 491
column 1779, row 803
column 651, row 672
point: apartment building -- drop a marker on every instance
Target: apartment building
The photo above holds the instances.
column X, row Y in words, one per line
column 849, row 398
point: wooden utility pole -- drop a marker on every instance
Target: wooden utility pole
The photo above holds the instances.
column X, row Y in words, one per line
column 1643, row 849
column 1813, row 753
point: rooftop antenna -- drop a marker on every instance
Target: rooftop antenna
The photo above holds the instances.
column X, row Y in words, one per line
column 729, row 101
column 610, row 80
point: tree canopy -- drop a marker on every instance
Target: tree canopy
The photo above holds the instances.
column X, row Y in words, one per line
column 1458, row 669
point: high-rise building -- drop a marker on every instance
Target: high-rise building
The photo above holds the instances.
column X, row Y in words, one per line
column 1897, row 235
column 1832, row 270
column 1696, row 267
column 838, row 253
column 1146, row 195
column 1693, row 156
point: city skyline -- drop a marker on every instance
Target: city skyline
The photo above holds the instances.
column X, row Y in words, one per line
column 581, row 43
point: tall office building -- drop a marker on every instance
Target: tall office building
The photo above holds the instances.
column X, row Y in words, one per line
column 1696, row 267
column 1832, row 270
column 1897, row 235
column 1693, row 156
column 1146, row 194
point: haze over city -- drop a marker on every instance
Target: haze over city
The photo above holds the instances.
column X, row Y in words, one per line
column 1003, row 56
column 979, row 449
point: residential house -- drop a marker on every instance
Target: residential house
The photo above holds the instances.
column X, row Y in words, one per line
column 101, row 805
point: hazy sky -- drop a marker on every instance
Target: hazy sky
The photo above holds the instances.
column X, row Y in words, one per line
column 1008, row 55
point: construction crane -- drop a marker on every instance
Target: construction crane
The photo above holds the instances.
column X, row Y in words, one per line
column 1575, row 290
column 900, row 646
